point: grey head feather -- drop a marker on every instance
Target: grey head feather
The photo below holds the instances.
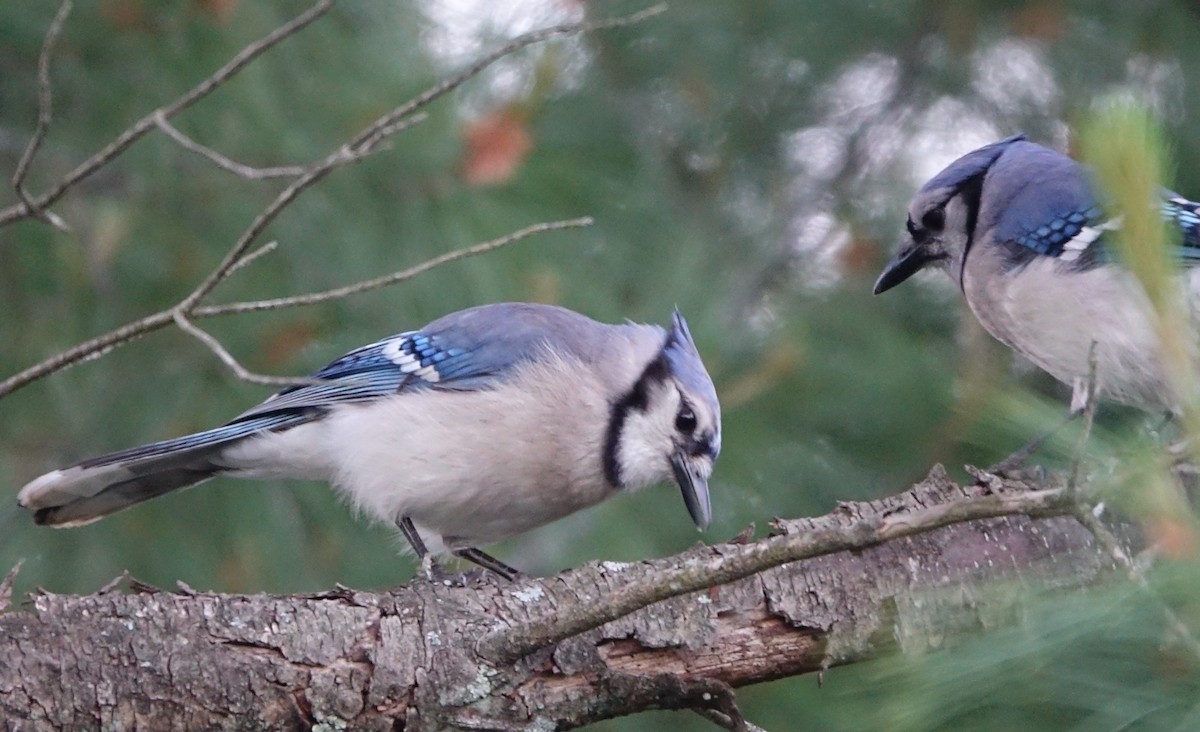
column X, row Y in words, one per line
column 956, row 192
column 684, row 362
column 969, row 166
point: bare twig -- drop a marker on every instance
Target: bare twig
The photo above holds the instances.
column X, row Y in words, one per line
column 1089, row 418
column 722, row 709
column 45, row 115
column 100, row 345
column 344, row 155
column 450, row 84
column 89, row 349
column 724, row 721
column 1111, row 544
column 393, row 278
column 227, row 358
column 6, row 585
column 362, row 144
column 1089, row 516
column 239, row 169
column 132, row 134
column 253, row 256
column 337, row 293
column 735, row 562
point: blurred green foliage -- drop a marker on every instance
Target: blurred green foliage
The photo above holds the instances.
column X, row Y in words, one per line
column 749, row 162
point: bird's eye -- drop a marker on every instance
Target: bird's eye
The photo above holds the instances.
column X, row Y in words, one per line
column 685, row 421
column 934, row 219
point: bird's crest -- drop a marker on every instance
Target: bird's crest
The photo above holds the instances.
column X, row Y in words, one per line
column 684, row 361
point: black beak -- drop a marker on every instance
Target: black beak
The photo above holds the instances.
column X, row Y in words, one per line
column 694, row 487
column 907, row 262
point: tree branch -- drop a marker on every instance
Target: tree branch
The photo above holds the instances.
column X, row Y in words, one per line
column 239, row 169
column 362, row 144
column 98, row 346
column 337, row 293
column 832, row 533
column 419, row 657
column 45, row 116
column 240, row 371
column 138, row 130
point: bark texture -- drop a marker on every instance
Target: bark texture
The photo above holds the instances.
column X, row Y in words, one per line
column 418, row 659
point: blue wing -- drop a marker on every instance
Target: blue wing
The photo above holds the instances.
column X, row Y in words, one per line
column 467, row 350
column 464, row 351
column 1185, row 215
column 404, row 362
column 1077, row 232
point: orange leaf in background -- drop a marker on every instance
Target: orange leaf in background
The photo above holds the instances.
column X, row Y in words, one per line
column 284, row 343
column 219, row 10
column 122, row 14
column 497, row 144
column 1044, row 20
column 1174, row 539
column 859, row 255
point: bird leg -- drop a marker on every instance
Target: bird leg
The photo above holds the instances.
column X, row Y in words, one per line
column 435, row 573
column 487, row 561
column 1012, row 465
column 1082, row 395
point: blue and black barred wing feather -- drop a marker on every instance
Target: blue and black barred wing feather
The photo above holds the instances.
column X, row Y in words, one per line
column 403, row 363
column 1185, row 215
column 1079, row 233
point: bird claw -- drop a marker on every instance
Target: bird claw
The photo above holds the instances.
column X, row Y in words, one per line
column 437, row 574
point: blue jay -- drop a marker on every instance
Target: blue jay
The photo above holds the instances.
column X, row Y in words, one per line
column 484, row 424
column 1020, row 229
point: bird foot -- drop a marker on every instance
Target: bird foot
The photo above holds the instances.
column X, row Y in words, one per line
column 992, row 479
column 1018, row 472
column 437, row 574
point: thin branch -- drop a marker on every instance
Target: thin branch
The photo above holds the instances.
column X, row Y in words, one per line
column 734, row 563
column 227, row 358
column 6, row 585
column 1089, row 516
column 244, row 171
column 722, row 708
column 340, row 292
column 45, row 116
column 724, row 721
column 254, row 256
column 393, row 278
column 1112, row 545
column 98, row 346
column 89, row 349
column 450, row 84
column 344, row 155
column 361, row 145
column 1089, row 418
column 147, row 123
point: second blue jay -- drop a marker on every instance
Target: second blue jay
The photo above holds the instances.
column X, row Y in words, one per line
column 1020, row 230
column 484, row 424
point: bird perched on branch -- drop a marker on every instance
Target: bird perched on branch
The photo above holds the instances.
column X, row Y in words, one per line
column 484, row 424
column 1021, row 231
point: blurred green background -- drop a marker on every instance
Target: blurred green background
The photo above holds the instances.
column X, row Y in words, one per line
column 749, row 162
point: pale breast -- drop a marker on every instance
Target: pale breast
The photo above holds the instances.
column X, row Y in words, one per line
column 1052, row 315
